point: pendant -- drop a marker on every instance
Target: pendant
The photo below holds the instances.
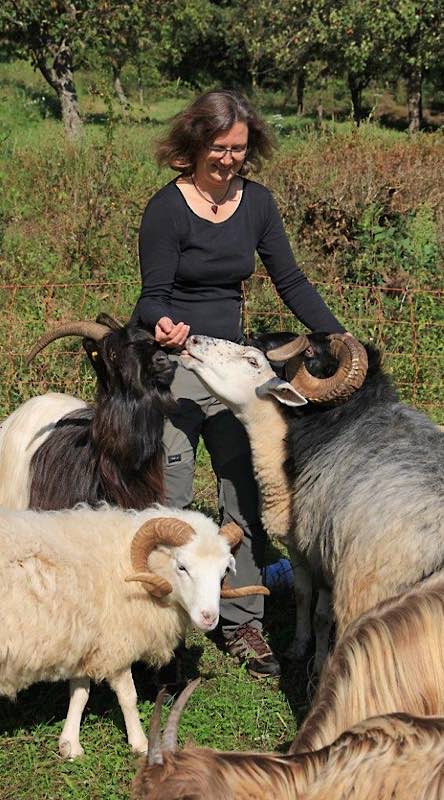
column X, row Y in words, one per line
column 214, row 209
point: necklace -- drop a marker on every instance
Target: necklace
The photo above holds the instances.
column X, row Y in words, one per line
column 214, row 206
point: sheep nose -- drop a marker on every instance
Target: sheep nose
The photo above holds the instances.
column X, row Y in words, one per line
column 209, row 617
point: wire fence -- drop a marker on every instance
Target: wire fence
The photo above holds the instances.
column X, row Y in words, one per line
column 408, row 324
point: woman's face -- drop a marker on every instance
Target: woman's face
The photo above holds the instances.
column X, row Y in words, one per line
column 216, row 168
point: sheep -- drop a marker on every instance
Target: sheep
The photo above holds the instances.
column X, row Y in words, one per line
column 350, row 477
column 86, row 592
column 390, row 659
column 56, row 450
column 392, row 757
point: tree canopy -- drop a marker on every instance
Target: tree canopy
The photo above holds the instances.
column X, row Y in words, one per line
column 250, row 43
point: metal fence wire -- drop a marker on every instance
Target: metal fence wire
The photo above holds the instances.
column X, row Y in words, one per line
column 408, row 325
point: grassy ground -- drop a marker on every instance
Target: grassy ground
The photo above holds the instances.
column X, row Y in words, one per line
column 360, row 207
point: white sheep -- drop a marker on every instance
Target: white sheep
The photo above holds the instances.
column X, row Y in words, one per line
column 85, row 593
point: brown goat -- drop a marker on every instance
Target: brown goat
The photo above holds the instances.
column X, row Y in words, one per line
column 393, row 757
column 390, row 659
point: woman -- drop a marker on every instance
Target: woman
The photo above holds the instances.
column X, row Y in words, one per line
column 197, row 243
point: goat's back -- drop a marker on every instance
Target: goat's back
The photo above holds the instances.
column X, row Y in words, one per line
column 21, row 434
column 391, row 659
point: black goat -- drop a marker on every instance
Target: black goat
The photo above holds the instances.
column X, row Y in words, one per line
column 111, row 450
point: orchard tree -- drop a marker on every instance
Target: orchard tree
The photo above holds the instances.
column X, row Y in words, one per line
column 355, row 39
column 117, row 36
column 51, row 36
column 147, row 33
column 184, row 26
column 292, row 45
column 418, row 31
column 122, row 32
column 251, row 27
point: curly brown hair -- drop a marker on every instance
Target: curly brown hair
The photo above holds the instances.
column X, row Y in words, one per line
column 205, row 118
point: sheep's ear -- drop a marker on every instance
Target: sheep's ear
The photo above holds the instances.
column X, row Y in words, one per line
column 154, row 584
column 282, row 391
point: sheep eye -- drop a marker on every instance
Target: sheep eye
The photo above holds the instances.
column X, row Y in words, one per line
column 181, row 568
column 253, row 361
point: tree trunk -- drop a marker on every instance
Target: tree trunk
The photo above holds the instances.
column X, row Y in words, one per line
column 123, row 100
column 140, row 85
column 60, row 78
column 414, row 100
column 355, row 87
column 300, row 87
column 289, row 91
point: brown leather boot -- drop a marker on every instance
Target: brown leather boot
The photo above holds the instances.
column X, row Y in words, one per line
column 249, row 646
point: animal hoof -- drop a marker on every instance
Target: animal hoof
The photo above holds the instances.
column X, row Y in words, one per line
column 70, row 750
column 140, row 748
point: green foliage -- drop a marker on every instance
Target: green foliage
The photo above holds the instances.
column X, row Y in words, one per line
column 269, row 43
column 417, row 34
column 394, row 247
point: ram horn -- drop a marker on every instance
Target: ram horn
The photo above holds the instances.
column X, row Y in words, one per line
column 160, row 530
column 349, row 376
column 81, row 328
column 154, row 740
column 234, row 535
column 169, row 742
column 227, row 592
column 289, row 350
column 113, row 324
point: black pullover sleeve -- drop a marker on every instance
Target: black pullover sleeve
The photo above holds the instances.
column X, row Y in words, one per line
column 159, row 256
column 291, row 283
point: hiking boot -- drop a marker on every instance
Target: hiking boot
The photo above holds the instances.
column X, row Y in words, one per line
column 249, row 646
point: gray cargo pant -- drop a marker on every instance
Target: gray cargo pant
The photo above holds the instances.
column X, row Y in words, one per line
column 198, row 413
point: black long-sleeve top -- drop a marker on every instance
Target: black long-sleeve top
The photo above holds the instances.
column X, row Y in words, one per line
column 192, row 269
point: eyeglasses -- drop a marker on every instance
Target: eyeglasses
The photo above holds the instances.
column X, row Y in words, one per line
column 220, row 150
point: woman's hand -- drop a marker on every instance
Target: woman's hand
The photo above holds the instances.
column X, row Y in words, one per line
column 169, row 334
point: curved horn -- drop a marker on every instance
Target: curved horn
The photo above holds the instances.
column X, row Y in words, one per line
column 243, row 591
column 154, row 742
column 232, row 533
column 81, row 328
column 113, row 324
column 160, row 530
column 349, row 376
column 169, row 743
column 289, row 350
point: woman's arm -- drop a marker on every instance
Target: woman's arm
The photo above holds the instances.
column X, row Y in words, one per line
column 291, row 283
column 159, row 258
